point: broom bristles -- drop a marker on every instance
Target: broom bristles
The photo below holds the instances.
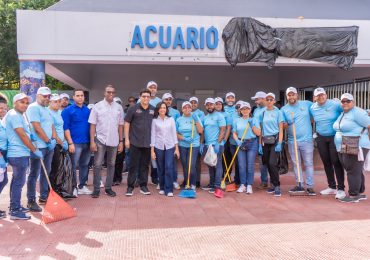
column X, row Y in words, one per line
column 56, row 209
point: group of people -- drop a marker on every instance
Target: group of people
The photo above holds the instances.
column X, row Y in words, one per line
column 156, row 136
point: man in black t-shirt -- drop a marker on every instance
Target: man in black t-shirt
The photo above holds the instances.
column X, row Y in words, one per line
column 138, row 125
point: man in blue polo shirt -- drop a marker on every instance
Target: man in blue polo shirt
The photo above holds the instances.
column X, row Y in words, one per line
column 77, row 133
column 297, row 112
column 325, row 112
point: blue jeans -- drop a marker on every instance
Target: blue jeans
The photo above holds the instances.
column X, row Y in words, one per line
column 165, row 160
column 81, row 158
column 37, row 171
column 175, row 169
column 305, row 152
column 246, row 159
column 20, row 166
column 5, row 180
column 185, row 156
column 215, row 173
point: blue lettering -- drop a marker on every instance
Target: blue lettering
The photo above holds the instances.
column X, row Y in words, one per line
column 178, row 39
column 212, row 45
column 191, row 37
column 136, row 38
column 149, row 29
column 163, row 44
column 201, row 38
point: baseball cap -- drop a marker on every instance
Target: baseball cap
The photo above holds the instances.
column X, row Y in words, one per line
column 245, row 104
column 319, row 91
column 259, row 94
column 54, row 97
column 229, row 94
column 347, row 96
column 21, row 96
column 44, row 91
column 239, row 103
column 64, row 95
column 151, row 83
column 209, row 100
column 185, row 104
column 270, row 95
column 218, row 99
column 167, row 95
column 291, row 89
column 194, row 99
column 117, row 99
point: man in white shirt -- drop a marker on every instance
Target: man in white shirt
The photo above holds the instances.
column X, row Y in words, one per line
column 106, row 135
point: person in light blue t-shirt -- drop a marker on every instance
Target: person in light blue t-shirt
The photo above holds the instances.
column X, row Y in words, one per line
column 187, row 124
column 325, row 112
column 353, row 123
column 214, row 131
column 3, row 150
column 297, row 113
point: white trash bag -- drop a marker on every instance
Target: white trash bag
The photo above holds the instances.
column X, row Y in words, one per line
column 211, row 157
column 360, row 156
column 367, row 162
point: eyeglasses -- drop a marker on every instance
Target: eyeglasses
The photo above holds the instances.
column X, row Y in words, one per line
column 46, row 96
column 146, row 96
column 346, row 101
column 269, row 99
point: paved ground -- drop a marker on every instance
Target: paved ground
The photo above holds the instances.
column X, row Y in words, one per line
column 239, row 226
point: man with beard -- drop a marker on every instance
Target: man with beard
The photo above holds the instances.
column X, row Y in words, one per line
column 64, row 98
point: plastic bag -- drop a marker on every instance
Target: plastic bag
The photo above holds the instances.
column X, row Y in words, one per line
column 360, row 156
column 283, row 161
column 61, row 175
column 211, row 157
column 367, row 163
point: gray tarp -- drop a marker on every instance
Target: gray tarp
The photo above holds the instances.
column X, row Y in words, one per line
column 248, row 40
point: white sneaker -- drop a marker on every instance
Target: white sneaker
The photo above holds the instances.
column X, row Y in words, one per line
column 340, row 194
column 170, row 194
column 249, row 189
column 161, row 192
column 176, row 186
column 101, row 184
column 241, row 189
column 75, row 192
column 84, row 191
column 328, row 191
column 193, row 187
column 158, row 187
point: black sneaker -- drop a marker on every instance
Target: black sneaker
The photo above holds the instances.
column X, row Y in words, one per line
column 208, row 187
column 297, row 189
column 2, row 214
column 110, row 193
column 23, row 209
column 211, row 190
column 144, row 190
column 19, row 215
column 130, row 191
column 33, row 206
column 42, row 201
column 311, row 192
column 349, row 199
column 362, row 197
column 95, row 194
column 271, row 190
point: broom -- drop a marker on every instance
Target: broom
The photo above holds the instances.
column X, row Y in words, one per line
column 188, row 192
column 231, row 186
column 56, row 209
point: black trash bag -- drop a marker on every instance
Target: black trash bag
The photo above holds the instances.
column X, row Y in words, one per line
column 61, row 175
column 283, row 161
column 248, row 40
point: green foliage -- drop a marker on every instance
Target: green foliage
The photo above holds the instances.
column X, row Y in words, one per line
column 9, row 64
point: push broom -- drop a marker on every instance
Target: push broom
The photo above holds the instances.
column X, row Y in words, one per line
column 230, row 186
column 188, row 192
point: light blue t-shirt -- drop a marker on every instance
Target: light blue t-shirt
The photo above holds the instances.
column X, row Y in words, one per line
column 352, row 124
column 234, row 116
column 231, row 110
column 271, row 120
column 184, row 127
column 58, row 123
column 3, row 138
column 200, row 114
column 325, row 116
column 16, row 148
column 174, row 113
column 240, row 124
column 212, row 123
column 302, row 120
column 42, row 115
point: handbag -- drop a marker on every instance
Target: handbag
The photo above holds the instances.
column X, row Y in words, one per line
column 350, row 144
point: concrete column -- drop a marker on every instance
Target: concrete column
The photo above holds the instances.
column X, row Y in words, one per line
column 32, row 76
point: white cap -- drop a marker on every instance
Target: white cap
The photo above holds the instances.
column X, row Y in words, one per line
column 239, row 102
column 151, row 83
column 291, row 89
column 90, row 106
column 209, row 100
column 44, row 91
column 21, row 96
column 167, row 95
column 270, row 95
column 185, row 104
column 194, row 99
column 218, row 99
column 117, row 99
column 259, row 94
column 347, row 96
column 245, row 104
column 64, row 95
column 54, row 97
column 319, row 91
column 229, row 94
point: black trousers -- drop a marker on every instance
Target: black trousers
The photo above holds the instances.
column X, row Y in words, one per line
column 139, row 159
column 355, row 172
column 198, row 168
column 330, row 158
column 118, row 167
column 270, row 159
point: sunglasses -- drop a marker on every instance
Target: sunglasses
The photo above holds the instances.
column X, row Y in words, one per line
column 270, row 99
column 346, row 101
column 46, row 96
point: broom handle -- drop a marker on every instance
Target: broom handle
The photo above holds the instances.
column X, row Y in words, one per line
column 223, row 157
column 191, row 153
column 296, row 150
column 236, row 152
